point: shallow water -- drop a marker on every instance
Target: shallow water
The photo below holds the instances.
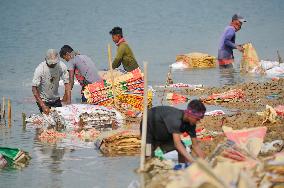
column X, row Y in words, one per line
column 157, row 31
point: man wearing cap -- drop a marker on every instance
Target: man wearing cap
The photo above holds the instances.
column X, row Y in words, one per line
column 124, row 53
column 81, row 66
column 227, row 42
column 46, row 82
column 165, row 125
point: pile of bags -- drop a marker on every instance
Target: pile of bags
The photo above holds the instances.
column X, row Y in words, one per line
column 234, row 94
column 13, row 157
column 272, row 68
column 251, row 63
column 69, row 116
column 128, row 92
column 274, row 171
column 232, row 164
column 75, row 124
column 120, row 142
column 197, row 60
column 176, row 98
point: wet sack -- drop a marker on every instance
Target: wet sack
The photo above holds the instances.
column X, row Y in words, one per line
column 250, row 61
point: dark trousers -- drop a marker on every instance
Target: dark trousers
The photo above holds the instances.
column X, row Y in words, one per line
column 56, row 103
column 83, row 99
column 165, row 145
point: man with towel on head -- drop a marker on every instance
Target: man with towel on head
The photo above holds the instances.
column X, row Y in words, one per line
column 46, row 82
column 165, row 124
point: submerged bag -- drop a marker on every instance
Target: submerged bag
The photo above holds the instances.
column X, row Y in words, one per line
column 250, row 59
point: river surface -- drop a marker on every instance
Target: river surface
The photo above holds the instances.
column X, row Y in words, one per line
column 156, row 30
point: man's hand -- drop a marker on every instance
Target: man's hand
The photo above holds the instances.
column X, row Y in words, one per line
column 240, row 48
column 46, row 109
column 196, row 148
column 67, row 94
column 181, row 149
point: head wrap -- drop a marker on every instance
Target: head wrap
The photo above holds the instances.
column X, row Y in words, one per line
column 193, row 113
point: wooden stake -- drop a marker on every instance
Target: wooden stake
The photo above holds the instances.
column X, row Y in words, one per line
column 279, row 57
column 3, row 108
column 24, row 120
column 144, row 124
column 9, row 113
column 111, row 71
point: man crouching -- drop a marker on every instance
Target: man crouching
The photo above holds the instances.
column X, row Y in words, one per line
column 165, row 125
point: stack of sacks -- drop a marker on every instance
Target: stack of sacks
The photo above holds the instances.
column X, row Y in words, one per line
column 176, row 98
column 274, row 171
column 13, row 157
column 128, row 88
column 101, row 120
column 92, row 116
column 227, row 96
column 119, row 143
column 272, row 68
column 233, row 163
column 197, row 60
column 69, row 116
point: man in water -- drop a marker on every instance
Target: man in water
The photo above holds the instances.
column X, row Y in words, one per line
column 124, row 53
column 227, row 43
column 81, row 66
column 165, row 125
column 46, row 82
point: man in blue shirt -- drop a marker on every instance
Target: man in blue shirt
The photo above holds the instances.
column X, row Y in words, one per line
column 227, row 42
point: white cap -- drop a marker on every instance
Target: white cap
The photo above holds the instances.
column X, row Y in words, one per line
column 52, row 57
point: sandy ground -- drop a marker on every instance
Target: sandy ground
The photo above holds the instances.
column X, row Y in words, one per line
column 245, row 117
column 239, row 121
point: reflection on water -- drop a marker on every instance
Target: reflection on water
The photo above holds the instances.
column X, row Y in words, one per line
column 227, row 76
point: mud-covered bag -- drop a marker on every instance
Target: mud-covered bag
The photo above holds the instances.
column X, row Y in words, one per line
column 250, row 60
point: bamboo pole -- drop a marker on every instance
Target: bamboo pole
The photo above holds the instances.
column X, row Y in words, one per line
column 144, row 123
column 111, row 72
column 9, row 113
column 3, row 108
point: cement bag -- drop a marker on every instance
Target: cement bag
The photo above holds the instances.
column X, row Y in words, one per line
column 275, row 71
column 250, row 59
column 250, row 139
column 268, row 64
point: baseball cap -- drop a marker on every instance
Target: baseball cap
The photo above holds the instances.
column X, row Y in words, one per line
column 116, row 30
column 51, row 57
column 238, row 17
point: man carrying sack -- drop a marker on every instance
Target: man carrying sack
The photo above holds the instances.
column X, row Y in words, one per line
column 227, row 43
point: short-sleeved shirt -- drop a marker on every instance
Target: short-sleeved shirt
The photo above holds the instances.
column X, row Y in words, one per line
column 227, row 43
column 85, row 69
column 47, row 79
column 163, row 121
